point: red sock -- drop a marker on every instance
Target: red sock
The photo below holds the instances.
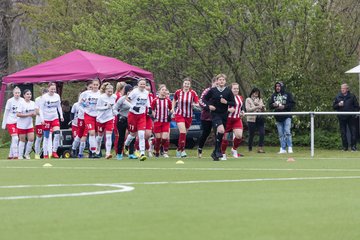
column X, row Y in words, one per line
column 153, row 141
column 147, row 146
column 237, row 142
column 182, row 141
column 224, row 144
column 157, row 145
column 165, row 143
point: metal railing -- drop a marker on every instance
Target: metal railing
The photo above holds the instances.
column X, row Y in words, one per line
column 312, row 116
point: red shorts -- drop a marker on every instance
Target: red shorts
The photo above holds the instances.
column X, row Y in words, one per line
column 90, row 122
column 12, row 129
column 233, row 123
column 39, row 130
column 74, row 130
column 160, row 127
column 106, row 126
column 25, row 131
column 136, row 122
column 186, row 120
column 149, row 123
column 81, row 129
column 51, row 124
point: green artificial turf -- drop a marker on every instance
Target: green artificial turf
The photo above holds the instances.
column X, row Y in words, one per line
column 260, row 196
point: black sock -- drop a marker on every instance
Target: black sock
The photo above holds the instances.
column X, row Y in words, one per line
column 219, row 137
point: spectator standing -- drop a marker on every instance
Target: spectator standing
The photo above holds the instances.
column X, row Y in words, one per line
column 254, row 103
column 347, row 102
column 282, row 101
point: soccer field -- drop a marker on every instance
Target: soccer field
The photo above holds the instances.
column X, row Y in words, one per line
column 260, row 196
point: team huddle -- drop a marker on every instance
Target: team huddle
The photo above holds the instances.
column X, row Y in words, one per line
column 132, row 114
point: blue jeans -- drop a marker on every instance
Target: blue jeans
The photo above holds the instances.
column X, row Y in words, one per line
column 284, row 131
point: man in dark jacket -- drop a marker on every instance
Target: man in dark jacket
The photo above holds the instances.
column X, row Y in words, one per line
column 347, row 102
column 282, row 101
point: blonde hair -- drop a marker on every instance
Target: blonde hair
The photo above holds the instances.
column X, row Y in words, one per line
column 16, row 88
column 120, row 86
column 105, row 86
column 161, row 86
column 221, row 75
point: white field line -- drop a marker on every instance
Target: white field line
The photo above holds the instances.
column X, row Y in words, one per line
column 242, row 180
column 190, row 169
column 122, row 187
column 119, row 188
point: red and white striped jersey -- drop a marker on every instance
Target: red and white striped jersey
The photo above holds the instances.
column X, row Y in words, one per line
column 185, row 101
column 238, row 108
column 161, row 107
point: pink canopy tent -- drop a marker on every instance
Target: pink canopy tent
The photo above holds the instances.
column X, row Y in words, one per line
column 76, row 66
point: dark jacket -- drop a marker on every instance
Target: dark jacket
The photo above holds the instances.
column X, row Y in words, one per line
column 213, row 97
column 350, row 104
column 284, row 98
column 205, row 113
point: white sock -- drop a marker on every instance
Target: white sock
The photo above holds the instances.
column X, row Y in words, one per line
column 46, row 146
column 98, row 143
column 11, row 154
column 28, row 148
column 82, row 147
column 21, row 148
column 50, row 143
column 14, row 145
column 75, row 143
column 92, row 143
column 129, row 139
column 108, row 143
column 56, row 142
column 38, row 145
column 141, row 135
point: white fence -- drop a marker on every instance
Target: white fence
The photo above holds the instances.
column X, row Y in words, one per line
column 312, row 117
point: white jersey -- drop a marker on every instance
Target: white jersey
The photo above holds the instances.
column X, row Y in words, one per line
column 104, row 108
column 11, row 108
column 139, row 99
column 37, row 106
column 88, row 101
column 75, row 110
column 26, row 108
column 50, row 106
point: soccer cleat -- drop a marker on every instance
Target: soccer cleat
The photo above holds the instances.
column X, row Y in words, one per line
column 37, row 156
column 183, row 154
column 178, row 154
column 55, row 155
column 21, row 157
column 108, row 156
column 165, row 155
column 150, row 154
column 223, row 157
column 142, row 157
column 219, row 155
column 9, row 158
column 214, row 157
column 126, row 150
column 80, row 155
column 290, row 150
column 240, row 155
column 46, row 156
column 137, row 153
column 119, row 157
column 234, row 153
column 157, row 155
column 73, row 153
column 27, row 157
column 15, row 158
column 199, row 153
column 132, row 156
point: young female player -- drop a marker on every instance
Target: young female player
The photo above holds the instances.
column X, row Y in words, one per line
column 38, row 125
column 161, row 106
column 49, row 107
column 118, row 93
column 88, row 101
column 10, row 119
column 185, row 98
column 234, row 123
column 105, row 116
column 25, row 114
column 218, row 100
column 138, row 101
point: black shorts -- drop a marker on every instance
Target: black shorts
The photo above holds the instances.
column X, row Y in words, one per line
column 219, row 119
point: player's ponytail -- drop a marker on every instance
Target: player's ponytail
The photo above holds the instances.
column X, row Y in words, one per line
column 105, row 86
